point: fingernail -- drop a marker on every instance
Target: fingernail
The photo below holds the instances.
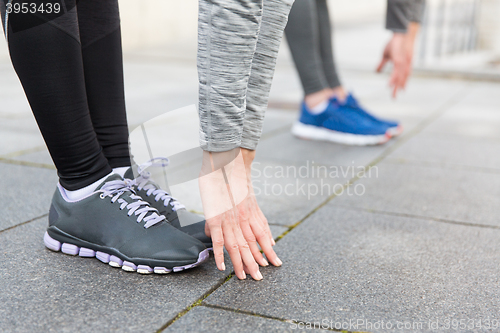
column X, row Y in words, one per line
column 273, row 242
column 259, row 275
column 279, row 261
column 265, row 262
column 242, row 277
column 222, row 267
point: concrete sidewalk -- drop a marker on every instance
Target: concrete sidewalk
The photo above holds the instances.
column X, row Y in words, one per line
column 413, row 241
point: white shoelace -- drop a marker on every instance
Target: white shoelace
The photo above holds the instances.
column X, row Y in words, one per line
column 143, row 183
column 140, row 208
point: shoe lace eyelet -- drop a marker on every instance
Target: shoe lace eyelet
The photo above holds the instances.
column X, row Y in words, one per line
column 102, row 196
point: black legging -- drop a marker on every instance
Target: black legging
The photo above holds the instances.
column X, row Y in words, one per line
column 309, row 37
column 70, row 65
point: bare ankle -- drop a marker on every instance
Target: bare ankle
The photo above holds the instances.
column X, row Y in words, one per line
column 316, row 98
column 339, row 92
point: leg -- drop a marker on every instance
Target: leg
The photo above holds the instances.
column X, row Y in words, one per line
column 324, row 118
column 303, row 36
column 227, row 37
column 46, row 54
column 274, row 19
column 99, row 23
column 326, row 47
column 325, row 43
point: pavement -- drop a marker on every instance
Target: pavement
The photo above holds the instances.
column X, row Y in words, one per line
column 398, row 237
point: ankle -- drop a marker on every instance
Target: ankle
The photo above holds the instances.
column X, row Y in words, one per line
column 83, row 192
column 339, row 93
column 121, row 170
column 317, row 98
column 248, row 157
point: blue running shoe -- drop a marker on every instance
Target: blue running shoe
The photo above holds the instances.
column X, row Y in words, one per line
column 341, row 125
column 394, row 127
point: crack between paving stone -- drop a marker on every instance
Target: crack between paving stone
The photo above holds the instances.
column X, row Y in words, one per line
column 196, row 303
column 403, row 139
column 23, row 152
column 421, row 217
column 288, row 321
column 23, row 223
column 26, row 163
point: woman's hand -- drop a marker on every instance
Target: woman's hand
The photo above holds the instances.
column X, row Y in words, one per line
column 399, row 51
column 232, row 214
column 253, row 222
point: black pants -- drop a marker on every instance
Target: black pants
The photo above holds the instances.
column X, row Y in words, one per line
column 71, row 68
column 309, row 37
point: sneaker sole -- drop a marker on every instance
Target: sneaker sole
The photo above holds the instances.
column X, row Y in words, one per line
column 322, row 134
column 113, row 260
column 395, row 131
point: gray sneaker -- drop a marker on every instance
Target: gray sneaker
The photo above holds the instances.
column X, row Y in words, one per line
column 173, row 210
column 117, row 227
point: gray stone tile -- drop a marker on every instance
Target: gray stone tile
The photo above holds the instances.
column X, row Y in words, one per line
column 20, row 123
column 14, row 103
column 278, row 120
column 277, row 230
column 287, row 192
column 454, row 194
column 45, row 291
column 450, row 150
column 468, row 121
column 4, row 53
column 14, row 141
column 205, row 319
column 285, row 148
column 26, row 193
column 482, row 94
column 42, row 157
column 154, row 88
column 437, row 93
column 343, row 265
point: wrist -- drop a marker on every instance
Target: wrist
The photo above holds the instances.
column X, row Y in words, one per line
column 248, row 157
column 412, row 31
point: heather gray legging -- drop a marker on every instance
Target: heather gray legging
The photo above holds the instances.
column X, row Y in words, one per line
column 308, row 34
column 238, row 42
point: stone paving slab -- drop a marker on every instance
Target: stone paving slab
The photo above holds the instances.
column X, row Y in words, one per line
column 421, row 96
column 205, row 319
column 343, row 265
column 14, row 141
column 454, row 151
column 431, row 191
column 285, row 148
column 41, row 157
column 26, row 193
column 52, row 292
column 468, row 121
column 287, row 192
column 154, row 88
column 481, row 95
column 277, row 230
column 22, row 122
column 277, row 120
